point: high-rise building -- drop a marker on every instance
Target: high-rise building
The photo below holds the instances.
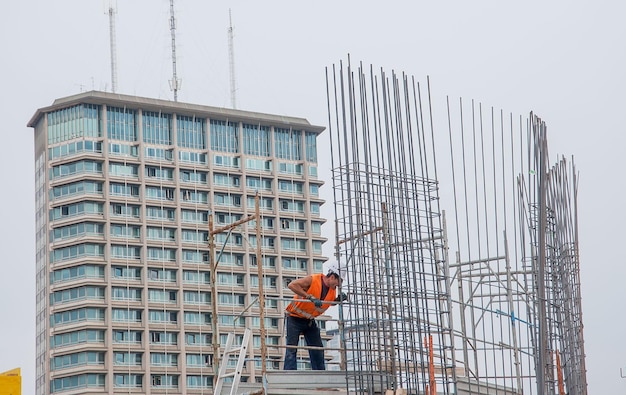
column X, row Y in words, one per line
column 125, row 189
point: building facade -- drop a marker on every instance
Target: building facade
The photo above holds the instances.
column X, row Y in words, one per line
column 125, row 188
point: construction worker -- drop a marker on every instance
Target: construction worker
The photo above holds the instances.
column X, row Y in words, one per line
column 312, row 294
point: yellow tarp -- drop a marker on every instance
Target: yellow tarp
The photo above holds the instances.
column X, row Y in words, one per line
column 11, row 382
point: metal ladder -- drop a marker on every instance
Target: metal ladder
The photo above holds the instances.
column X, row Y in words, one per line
column 229, row 351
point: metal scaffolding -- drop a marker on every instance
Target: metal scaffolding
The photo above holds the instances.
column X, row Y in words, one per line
column 516, row 273
column 499, row 314
column 389, row 233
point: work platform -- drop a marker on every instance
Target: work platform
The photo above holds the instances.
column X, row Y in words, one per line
column 313, row 382
column 325, row 382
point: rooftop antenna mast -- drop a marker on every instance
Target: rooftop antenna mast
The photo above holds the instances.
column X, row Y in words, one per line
column 112, row 12
column 175, row 83
column 231, row 61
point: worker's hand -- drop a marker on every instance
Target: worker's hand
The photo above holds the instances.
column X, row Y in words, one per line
column 318, row 303
column 341, row 298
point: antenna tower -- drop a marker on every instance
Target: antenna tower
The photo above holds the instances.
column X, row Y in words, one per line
column 175, row 83
column 231, row 61
column 112, row 13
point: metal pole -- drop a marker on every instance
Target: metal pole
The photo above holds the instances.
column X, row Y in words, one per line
column 509, row 285
column 259, row 264
column 214, row 261
column 542, row 357
column 214, row 326
column 113, row 48
column 175, row 82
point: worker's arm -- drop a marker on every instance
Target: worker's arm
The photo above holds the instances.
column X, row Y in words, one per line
column 301, row 286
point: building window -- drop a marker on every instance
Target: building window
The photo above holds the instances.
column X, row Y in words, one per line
column 190, row 132
column 256, row 140
column 125, row 252
column 76, row 272
column 80, row 167
column 161, row 296
column 226, row 180
column 161, row 173
column 162, row 316
column 287, row 144
column 128, row 190
column 187, row 195
column 124, row 293
column 161, row 254
column 78, row 315
column 200, row 381
column 230, row 279
column 121, row 124
column 290, row 168
column 90, row 380
column 159, row 154
column 196, row 277
column 164, row 275
column 127, row 336
column 75, row 147
column 74, row 122
column 161, row 213
column 125, row 231
column 164, row 338
column 226, row 161
column 232, row 299
column 77, row 230
column 77, row 251
column 72, row 210
column 127, row 359
column 78, row 337
column 196, row 297
column 128, row 273
column 164, row 381
column 159, row 193
column 123, row 170
column 192, row 157
column 76, row 294
column 197, row 318
column 125, row 315
column 198, row 339
column 163, row 359
column 224, row 136
column 161, row 234
column 157, row 128
column 123, row 150
column 124, row 210
column 265, row 203
column 310, row 140
column 128, row 380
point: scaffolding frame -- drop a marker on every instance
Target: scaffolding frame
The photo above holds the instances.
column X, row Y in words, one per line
column 516, row 274
column 503, row 316
column 390, row 233
column 500, row 298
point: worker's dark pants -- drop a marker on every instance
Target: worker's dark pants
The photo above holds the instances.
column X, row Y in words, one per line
column 311, row 332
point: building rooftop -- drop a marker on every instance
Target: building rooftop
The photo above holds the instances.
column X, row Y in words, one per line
column 97, row 97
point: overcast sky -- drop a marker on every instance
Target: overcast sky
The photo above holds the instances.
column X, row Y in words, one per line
column 565, row 60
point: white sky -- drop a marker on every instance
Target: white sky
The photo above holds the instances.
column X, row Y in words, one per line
column 565, row 60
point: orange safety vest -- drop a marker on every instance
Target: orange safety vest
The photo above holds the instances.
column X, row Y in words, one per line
column 307, row 309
